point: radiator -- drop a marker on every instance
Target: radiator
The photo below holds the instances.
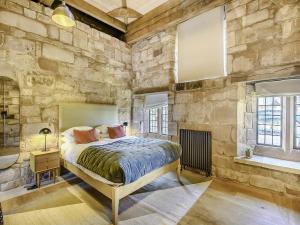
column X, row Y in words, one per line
column 196, row 150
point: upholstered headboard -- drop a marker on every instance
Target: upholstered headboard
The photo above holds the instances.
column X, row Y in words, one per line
column 81, row 114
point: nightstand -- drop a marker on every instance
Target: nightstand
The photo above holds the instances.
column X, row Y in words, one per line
column 43, row 161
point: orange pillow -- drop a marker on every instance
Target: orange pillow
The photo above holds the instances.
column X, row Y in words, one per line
column 84, row 136
column 116, row 132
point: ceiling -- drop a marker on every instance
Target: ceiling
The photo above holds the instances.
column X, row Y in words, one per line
column 140, row 6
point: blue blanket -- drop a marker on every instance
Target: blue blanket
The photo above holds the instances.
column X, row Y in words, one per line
column 127, row 160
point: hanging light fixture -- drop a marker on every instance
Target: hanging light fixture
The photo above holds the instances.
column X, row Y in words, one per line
column 63, row 16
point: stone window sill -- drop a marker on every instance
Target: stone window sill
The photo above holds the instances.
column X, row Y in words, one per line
column 271, row 163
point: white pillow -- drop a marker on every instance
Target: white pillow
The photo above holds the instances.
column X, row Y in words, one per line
column 103, row 130
column 70, row 130
column 68, row 139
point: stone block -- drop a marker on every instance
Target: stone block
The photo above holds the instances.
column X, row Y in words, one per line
column 222, row 133
column 24, row 3
column 236, row 12
column 252, row 6
column 288, row 11
column 255, row 17
column 80, row 39
column 23, row 23
column 234, row 25
column 33, row 110
column 66, row 37
column 271, row 56
column 48, row 11
column 186, row 97
column 56, row 53
column 264, row 4
column 242, row 64
column 33, row 129
column 232, row 175
column 37, row 7
column 225, row 112
column 179, row 112
column 48, row 64
column 43, row 18
column 246, row 35
column 14, row 7
column 293, row 190
column 53, row 32
column 172, row 128
column 267, row 183
column 29, row 13
column 84, row 27
column 248, row 120
column 20, row 45
column 81, row 62
column 239, row 48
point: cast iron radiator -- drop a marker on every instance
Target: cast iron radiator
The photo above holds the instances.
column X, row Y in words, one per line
column 196, row 150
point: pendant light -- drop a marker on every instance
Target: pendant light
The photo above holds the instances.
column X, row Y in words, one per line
column 63, row 16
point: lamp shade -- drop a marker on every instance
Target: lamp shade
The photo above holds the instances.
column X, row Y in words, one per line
column 63, row 16
column 45, row 131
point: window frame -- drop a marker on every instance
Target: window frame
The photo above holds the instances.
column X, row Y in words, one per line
column 157, row 120
column 294, row 123
column 281, row 122
column 287, row 150
column 163, row 120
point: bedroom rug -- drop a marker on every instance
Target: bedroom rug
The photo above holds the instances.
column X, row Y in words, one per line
column 163, row 202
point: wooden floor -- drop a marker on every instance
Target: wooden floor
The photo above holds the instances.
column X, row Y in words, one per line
column 164, row 202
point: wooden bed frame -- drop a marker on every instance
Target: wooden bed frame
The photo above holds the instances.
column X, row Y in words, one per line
column 80, row 114
column 115, row 193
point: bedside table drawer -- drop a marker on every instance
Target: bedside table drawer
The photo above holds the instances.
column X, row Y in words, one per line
column 40, row 166
column 46, row 158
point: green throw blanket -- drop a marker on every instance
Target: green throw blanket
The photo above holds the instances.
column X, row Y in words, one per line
column 127, row 160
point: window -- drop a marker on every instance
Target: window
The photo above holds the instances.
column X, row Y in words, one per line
column 269, row 121
column 153, row 120
column 297, row 123
column 164, row 120
column 158, row 120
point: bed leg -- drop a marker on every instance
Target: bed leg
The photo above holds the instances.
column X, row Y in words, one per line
column 178, row 171
column 115, row 205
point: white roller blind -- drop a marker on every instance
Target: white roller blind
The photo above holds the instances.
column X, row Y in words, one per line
column 155, row 100
column 201, row 46
column 283, row 87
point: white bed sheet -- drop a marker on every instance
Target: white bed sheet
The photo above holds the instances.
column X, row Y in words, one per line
column 71, row 151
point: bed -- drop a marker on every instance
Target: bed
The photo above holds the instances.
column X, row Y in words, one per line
column 73, row 114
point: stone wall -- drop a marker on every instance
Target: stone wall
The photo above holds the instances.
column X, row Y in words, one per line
column 10, row 124
column 52, row 64
column 153, row 62
column 262, row 43
column 220, row 107
column 263, row 39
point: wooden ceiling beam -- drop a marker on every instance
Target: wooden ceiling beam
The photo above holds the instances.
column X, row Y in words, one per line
column 95, row 12
column 166, row 15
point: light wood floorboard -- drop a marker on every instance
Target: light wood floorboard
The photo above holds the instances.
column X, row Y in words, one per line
column 163, row 202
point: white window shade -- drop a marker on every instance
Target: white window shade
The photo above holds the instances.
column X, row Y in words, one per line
column 156, row 100
column 283, row 87
column 201, row 46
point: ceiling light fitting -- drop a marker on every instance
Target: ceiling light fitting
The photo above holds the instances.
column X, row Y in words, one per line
column 63, row 16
